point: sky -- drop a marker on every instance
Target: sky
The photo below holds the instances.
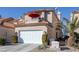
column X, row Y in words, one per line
column 16, row 12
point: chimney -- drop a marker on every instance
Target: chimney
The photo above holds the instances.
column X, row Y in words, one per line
column 59, row 15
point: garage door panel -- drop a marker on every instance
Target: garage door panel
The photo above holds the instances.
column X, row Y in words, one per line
column 34, row 37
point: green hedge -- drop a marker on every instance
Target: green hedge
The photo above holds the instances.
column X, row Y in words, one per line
column 2, row 41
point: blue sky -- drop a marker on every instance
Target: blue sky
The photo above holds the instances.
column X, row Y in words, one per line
column 16, row 12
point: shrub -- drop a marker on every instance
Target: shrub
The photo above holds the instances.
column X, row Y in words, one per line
column 14, row 39
column 44, row 40
column 2, row 41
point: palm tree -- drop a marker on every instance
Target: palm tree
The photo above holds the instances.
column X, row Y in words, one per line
column 70, row 27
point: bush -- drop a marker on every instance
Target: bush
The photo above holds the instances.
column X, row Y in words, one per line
column 2, row 41
column 14, row 39
column 44, row 40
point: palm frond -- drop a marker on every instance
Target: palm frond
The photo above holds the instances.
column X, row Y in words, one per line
column 69, row 27
column 77, row 24
column 75, row 21
column 66, row 20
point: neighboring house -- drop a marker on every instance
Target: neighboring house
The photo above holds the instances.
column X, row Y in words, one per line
column 33, row 25
column 7, row 30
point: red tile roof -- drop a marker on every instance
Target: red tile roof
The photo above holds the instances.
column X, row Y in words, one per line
column 32, row 24
column 6, row 22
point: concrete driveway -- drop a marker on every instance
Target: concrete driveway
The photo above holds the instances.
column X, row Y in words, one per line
column 28, row 48
column 18, row 48
column 24, row 48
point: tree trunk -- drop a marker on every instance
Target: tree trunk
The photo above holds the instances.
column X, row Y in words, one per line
column 70, row 40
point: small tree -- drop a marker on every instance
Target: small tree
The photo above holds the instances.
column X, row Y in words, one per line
column 15, row 38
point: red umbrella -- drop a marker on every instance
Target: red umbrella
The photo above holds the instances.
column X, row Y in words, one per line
column 34, row 15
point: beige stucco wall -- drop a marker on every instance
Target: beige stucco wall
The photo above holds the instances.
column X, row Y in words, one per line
column 49, row 17
column 2, row 32
column 28, row 19
column 10, row 33
column 6, row 33
column 44, row 28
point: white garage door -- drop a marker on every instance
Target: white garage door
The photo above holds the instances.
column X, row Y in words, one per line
column 34, row 37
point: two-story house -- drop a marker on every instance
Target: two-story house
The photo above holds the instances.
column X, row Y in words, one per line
column 33, row 25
